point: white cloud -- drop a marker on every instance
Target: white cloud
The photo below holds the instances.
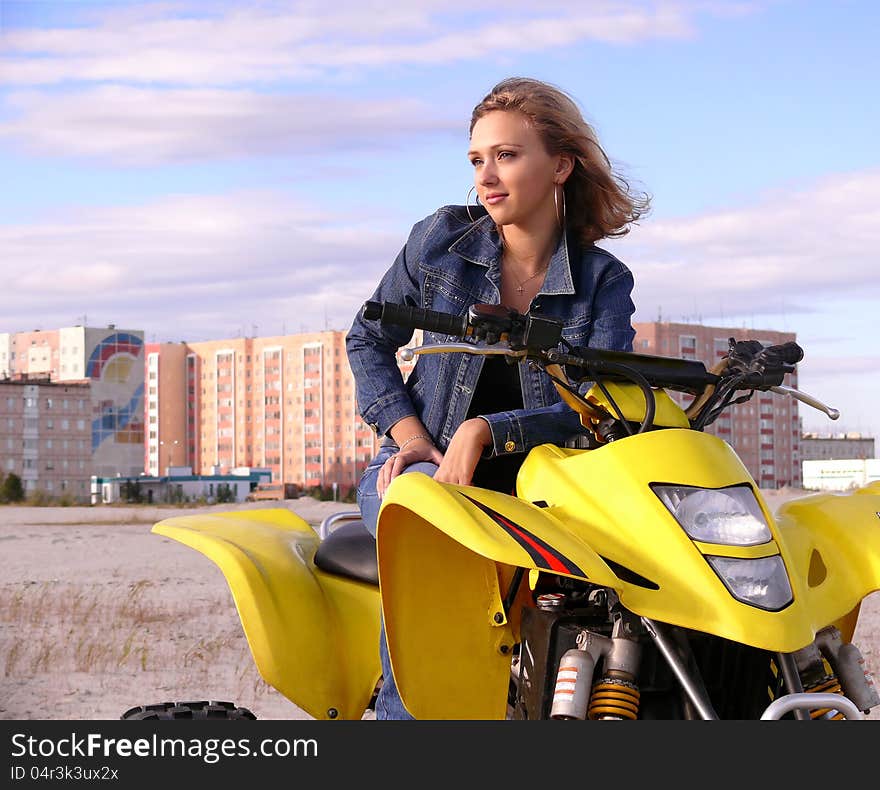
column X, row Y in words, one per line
column 145, row 84
column 212, row 267
column 195, row 267
column 140, row 126
column 243, row 253
column 794, row 250
column 201, row 45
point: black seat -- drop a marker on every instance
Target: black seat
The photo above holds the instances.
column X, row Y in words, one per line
column 350, row 551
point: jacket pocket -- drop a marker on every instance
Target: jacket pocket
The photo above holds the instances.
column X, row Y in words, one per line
column 446, row 293
column 577, row 330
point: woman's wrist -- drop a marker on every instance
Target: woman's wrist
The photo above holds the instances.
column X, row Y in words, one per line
column 413, row 438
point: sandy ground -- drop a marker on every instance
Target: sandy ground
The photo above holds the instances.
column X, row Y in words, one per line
column 97, row 615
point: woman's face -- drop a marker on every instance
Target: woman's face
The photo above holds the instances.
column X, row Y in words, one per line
column 515, row 177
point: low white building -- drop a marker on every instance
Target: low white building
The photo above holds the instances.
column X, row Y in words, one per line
column 840, row 474
column 179, row 486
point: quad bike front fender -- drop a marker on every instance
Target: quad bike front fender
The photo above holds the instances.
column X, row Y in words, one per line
column 313, row 636
column 833, row 540
column 442, row 548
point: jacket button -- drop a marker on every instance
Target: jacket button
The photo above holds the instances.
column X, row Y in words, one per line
column 510, row 446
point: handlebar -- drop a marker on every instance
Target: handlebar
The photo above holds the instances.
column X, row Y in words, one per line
column 749, row 366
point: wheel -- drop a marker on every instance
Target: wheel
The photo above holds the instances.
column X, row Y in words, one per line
column 187, row 710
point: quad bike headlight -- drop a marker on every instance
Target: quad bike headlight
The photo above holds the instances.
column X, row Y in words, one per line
column 728, row 516
column 760, row 582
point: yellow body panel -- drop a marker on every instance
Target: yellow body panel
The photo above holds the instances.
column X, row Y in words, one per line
column 631, row 402
column 444, row 568
column 834, row 540
column 314, row 636
column 603, row 496
column 441, row 556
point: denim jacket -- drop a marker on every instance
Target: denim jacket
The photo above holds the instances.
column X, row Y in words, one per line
column 448, row 264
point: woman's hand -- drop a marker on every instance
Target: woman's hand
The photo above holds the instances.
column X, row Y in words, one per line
column 418, row 450
column 464, row 452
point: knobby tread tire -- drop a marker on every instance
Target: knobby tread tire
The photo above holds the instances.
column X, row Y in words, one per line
column 204, row 709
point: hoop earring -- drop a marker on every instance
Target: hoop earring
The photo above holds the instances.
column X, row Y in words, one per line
column 560, row 220
column 467, row 203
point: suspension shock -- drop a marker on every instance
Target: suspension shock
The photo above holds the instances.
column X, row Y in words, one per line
column 830, row 685
column 833, row 666
column 614, row 696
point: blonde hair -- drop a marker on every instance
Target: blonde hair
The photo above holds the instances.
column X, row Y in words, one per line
column 599, row 201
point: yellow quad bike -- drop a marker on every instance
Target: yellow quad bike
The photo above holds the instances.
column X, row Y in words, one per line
column 640, row 577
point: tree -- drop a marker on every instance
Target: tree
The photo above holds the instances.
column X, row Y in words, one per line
column 13, row 490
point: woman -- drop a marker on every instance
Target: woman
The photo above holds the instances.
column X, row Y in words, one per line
column 546, row 192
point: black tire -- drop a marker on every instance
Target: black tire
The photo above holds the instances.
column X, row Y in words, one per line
column 167, row 711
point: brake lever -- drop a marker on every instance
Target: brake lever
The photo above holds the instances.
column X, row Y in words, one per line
column 407, row 354
column 807, row 399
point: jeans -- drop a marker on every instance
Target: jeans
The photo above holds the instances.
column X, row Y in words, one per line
column 389, row 705
column 367, row 496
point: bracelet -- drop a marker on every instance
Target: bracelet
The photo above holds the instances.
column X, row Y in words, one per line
column 413, row 438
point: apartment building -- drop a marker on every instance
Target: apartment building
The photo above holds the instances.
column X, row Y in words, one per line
column 837, row 446
column 46, row 435
column 282, row 403
column 170, row 433
column 111, row 360
column 766, row 430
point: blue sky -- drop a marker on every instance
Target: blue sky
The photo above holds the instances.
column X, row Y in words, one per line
column 204, row 170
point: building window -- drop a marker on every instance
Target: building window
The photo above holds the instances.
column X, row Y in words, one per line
column 687, row 346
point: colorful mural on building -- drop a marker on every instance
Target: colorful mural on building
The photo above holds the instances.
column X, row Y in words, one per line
column 115, row 364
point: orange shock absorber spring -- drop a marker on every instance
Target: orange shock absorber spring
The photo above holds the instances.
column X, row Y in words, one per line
column 830, row 685
column 613, row 698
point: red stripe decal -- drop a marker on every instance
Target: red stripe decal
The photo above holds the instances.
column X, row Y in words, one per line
column 540, row 552
column 552, row 562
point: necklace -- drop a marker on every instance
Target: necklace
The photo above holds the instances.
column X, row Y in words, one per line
column 519, row 288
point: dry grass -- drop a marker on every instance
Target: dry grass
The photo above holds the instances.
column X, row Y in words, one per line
column 110, row 632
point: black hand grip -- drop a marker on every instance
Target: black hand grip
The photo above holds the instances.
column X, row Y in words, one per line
column 790, row 353
column 371, row 311
column 415, row 318
column 784, row 356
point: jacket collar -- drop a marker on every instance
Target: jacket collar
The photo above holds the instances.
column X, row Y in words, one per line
column 481, row 244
